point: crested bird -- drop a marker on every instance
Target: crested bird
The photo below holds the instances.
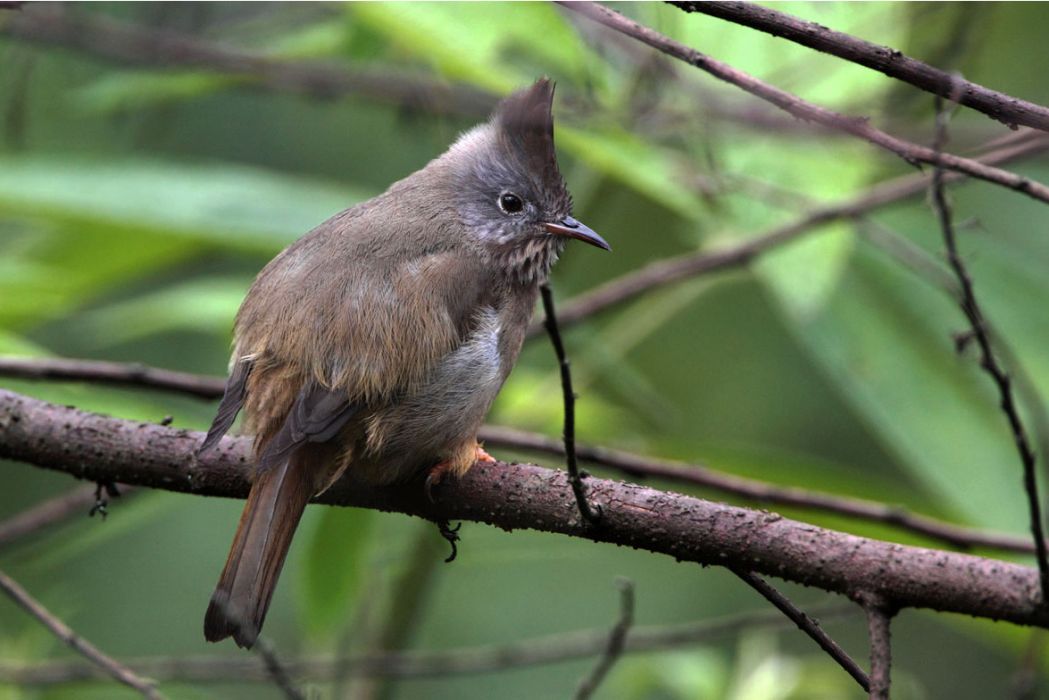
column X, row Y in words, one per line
column 377, row 342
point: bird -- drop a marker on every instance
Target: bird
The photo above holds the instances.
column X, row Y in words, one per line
column 377, row 342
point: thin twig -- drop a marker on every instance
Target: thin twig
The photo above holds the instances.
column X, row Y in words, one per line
column 806, row 624
column 589, row 515
column 496, row 658
column 879, row 617
column 75, row 502
column 75, row 642
column 1025, row 681
column 671, row 270
column 1007, row 109
column 912, row 153
column 143, row 46
column 118, row 373
column 277, row 671
column 988, row 361
column 616, row 641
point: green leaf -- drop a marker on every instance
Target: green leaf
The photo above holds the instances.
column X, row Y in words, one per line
column 653, row 171
column 223, row 204
column 47, row 271
column 509, row 44
column 884, row 339
column 337, row 552
column 206, row 305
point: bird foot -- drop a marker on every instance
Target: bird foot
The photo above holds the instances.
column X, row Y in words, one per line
column 480, row 455
column 457, row 467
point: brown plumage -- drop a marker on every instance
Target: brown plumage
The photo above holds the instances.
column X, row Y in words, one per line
column 378, row 341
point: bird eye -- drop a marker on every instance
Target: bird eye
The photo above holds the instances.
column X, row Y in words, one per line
column 510, row 203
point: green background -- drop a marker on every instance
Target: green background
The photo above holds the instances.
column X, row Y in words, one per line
column 136, row 205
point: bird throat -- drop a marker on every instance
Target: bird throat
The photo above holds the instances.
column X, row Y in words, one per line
column 528, row 263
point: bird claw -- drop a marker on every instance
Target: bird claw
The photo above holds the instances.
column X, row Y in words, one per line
column 451, row 535
column 433, row 479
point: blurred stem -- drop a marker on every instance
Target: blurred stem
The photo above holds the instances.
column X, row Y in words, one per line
column 406, row 605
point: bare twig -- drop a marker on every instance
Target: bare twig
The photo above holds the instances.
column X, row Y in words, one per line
column 589, row 515
column 1025, row 681
column 277, row 671
column 75, row 642
column 1009, row 110
column 141, row 46
column 913, row 153
column 988, row 361
column 51, row 512
column 806, row 624
column 118, row 373
column 616, row 641
column 550, row 649
column 640, row 466
column 398, row 619
column 879, row 617
column 668, row 271
column 513, row 496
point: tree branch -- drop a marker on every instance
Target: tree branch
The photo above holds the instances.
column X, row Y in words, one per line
column 879, row 617
column 514, row 496
column 590, row 515
column 616, row 641
column 643, row 466
column 141, row 46
column 632, row 465
column 550, row 649
column 913, row 153
column 671, row 270
column 1009, row 110
column 116, row 373
column 77, row 501
column 75, row 642
column 806, row 624
column 988, row 361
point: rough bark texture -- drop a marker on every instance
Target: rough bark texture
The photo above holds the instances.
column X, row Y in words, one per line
column 512, row 496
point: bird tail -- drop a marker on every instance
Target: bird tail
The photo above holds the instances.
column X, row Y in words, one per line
column 275, row 505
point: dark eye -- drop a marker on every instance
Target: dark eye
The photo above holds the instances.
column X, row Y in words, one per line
column 510, row 203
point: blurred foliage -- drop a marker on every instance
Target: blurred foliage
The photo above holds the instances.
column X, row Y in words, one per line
column 136, row 205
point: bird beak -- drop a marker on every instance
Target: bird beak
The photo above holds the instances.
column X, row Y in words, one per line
column 574, row 229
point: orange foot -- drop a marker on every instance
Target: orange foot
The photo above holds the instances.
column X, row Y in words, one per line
column 458, row 465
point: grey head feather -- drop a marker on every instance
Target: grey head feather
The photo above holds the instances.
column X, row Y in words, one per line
column 513, row 153
column 524, row 124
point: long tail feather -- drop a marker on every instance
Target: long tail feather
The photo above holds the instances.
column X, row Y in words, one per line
column 276, row 503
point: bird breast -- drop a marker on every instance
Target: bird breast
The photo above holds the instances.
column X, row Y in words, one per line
column 418, row 429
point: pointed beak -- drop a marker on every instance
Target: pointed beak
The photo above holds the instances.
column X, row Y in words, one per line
column 574, row 229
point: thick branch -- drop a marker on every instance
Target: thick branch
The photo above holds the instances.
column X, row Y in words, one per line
column 645, row 467
column 913, row 153
column 1009, row 110
column 633, row 465
column 514, row 496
